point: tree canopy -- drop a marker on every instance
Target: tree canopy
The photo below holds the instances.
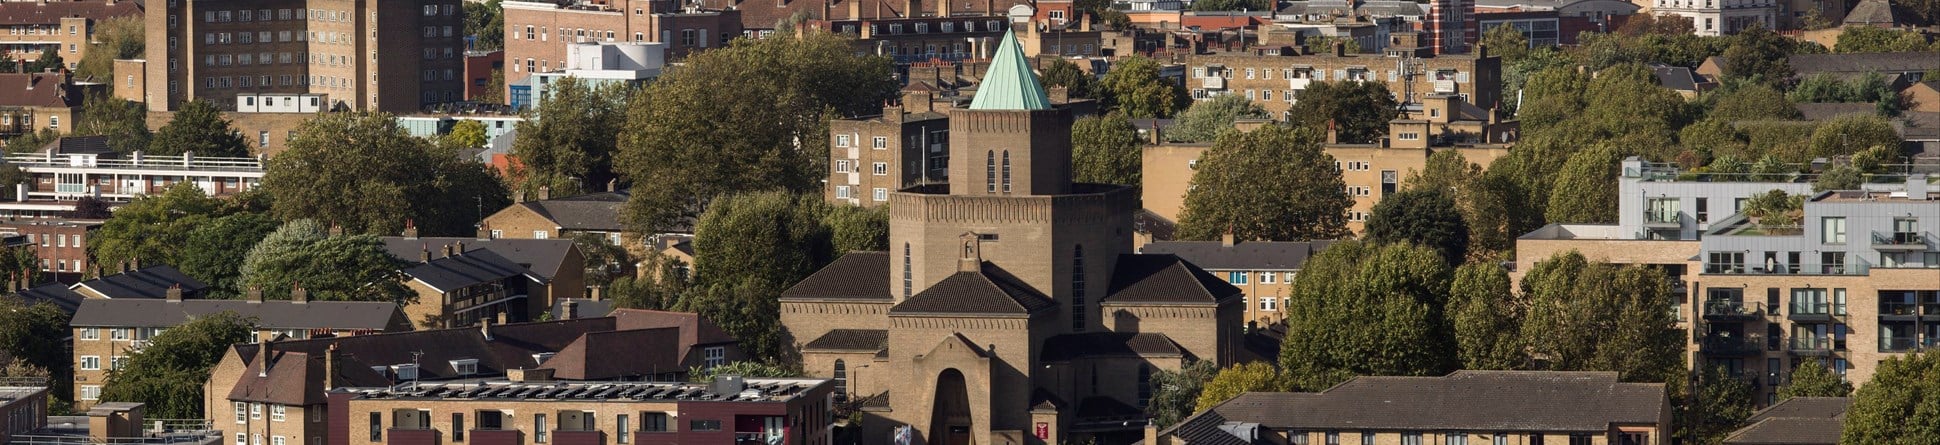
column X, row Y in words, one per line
column 1106, row 150
column 747, row 250
column 1590, row 316
column 1423, row 217
column 1063, row 73
column 1367, row 309
column 1240, row 379
column 341, row 268
column 485, row 23
column 1872, row 39
column 567, row 142
column 1487, row 318
column 152, row 229
column 1358, row 111
column 1134, row 86
column 199, row 128
column 1176, row 392
column 124, row 122
column 1811, row 378
column 113, row 38
column 362, row 172
column 1586, row 189
column 1205, row 120
column 1900, row 406
column 212, row 249
column 1273, row 183
column 747, row 117
column 167, row 374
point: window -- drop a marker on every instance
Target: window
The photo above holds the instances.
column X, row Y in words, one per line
column 276, row 440
column 704, row 425
column 90, row 392
column 468, row 366
column 1236, row 277
column 989, row 172
column 539, row 428
column 1006, row 171
column 1579, row 439
column 879, row 142
column 841, row 140
column 90, row 363
column 1500, row 439
column 879, row 194
column 242, row 439
column 1455, row 439
column 255, row 410
column 1078, row 290
column 625, row 430
column 879, row 168
column 1367, row 437
column 906, row 269
column 376, row 427
column 653, row 422
column 714, row 356
column 262, row 137
column 1411, row 438
column 841, row 377
column 458, row 427
column 1333, row 438
column 844, row 192
column 90, row 333
column 1703, row 210
column 1269, row 303
column 1832, row 230
column 53, row 122
column 1268, row 277
column 276, row 413
column 540, row 234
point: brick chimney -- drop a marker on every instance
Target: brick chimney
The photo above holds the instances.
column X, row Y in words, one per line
column 972, row 258
column 424, row 253
column 545, row 192
column 484, row 232
column 262, row 364
column 485, row 328
column 571, row 309
column 174, row 293
column 299, row 295
column 332, row 358
column 410, row 229
column 254, row 294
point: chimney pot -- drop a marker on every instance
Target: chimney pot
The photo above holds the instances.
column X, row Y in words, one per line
column 299, row 295
column 174, row 293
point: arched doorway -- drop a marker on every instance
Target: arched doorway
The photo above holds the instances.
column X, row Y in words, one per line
column 950, row 417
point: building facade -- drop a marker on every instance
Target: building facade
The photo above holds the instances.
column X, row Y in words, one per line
column 537, row 34
column 754, row 410
column 396, row 56
column 1010, row 306
column 34, row 102
column 871, row 156
column 462, row 281
column 1450, row 27
column 1720, row 17
column 61, row 244
column 1262, row 270
column 65, row 173
column 1272, row 79
column 64, row 26
column 23, row 405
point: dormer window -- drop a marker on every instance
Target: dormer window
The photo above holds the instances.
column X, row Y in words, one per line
column 465, row 366
column 405, row 371
column 541, row 358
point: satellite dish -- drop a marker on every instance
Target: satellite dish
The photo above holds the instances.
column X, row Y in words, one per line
column 1021, row 13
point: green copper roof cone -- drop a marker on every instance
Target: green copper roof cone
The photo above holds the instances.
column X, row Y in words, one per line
column 1010, row 84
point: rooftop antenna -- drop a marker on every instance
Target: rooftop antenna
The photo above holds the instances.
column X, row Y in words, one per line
column 416, row 370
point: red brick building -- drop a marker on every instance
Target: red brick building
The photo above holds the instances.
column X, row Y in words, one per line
column 66, row 26
column 61, row 244
column 478, row 71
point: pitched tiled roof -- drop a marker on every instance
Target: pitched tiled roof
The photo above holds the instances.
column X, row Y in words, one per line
column 1547, row 401
column 56, row 294
column 1880, row 12
column 990, row 291
column 764, row 15
column 1165, row 279
column 545, row 258
column 1808, row 407
column 1067, row 347
column 590, row 212
column 1251, row 255
column 1788, row 431
column 1674, row 77
column 592, row 356
column 37, row 90
column 45, row 13
column 474, row 267
column 272, row 314
column 870, row 340
column 68, row 145
column 147, row 282
column 854, row 276
column 694, row 330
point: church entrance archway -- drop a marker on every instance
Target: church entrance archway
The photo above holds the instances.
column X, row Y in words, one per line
column 950, row 422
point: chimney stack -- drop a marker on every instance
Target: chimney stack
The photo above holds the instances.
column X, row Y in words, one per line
column 972, row 258
column 299, row 295
column 174, row 293
column 336, row 230
column 332, row 358
column 424, row 253
column 458, row 248
column 410, row 230
column 545, row 192
column 1333, row 135
column 1226, row 239
column 254, row 294
column 484, row 232
column 262, row 365
column 571, row 309
column 612, row 185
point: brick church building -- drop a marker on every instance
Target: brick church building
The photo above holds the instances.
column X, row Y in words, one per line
column 1010, row 307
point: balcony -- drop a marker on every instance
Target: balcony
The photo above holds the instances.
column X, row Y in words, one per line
column 1930, row 311
column 495, row 436
column 756, row 438
column 1726, row 345
column 1812, row 312
column 1212, row 83
column 563, row 437
column 411, row 436
column 1725, row 310
column 1906, row 344
column 1899, row 241
column 1898, row 311
column 1856, row 268
column 1813, row 346
column 1663, row 220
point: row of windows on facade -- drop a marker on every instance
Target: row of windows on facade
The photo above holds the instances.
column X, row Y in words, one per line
column 924, row 27
column 689, row 37
column 878, row 194
column 877, row 168
column 27, row 120
column 37, row 30
column 121, row 334
column 1362, row 74
column 1830, row 263
column 1461, row 438
column 543, row 426
column 322, row 15
column 1246, row 277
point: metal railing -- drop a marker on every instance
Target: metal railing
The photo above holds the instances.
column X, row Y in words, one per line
column 1817, row 308
column 1732, row 345
column 1892, row 308
column 1726, row 308
column 183, row 162
column 1813, row 344
column 756, row 438
column 1663, row 217
column 1898, row 239
column 1853, row 268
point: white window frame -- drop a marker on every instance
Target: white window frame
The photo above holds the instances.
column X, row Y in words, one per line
column 90, row 363
column 879, row 194
column 276, row 414
column 879, row 169
column 90, row 334
column 242, row 411
column 90, row 392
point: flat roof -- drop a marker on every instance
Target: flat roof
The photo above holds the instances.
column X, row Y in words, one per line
column 752, row 390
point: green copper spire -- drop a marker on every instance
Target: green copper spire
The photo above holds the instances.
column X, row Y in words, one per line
column 1010, row 84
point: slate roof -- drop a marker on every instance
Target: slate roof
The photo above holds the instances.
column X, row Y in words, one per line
column 1880, row 12
column 545, row 258
column 1010, row 84
column 989, row 291
column 1675, row 77
column 592, row 356
column 45, row 13
column 1067, row 347
column 474, row 267
column 859, row 276
column 1795, row 421
column 1805, row 65
column 37, row 89
column 590, row 212
column 272, row 314
column 1546, row 401
column 71, row 145
column 584, row 306
column 56, row 294
column 147, row 282
column 1251, row 255
column 1164, row 279
column 868, row 340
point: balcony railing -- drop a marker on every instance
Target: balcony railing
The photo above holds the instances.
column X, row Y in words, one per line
column 1743, row 345
column 1899, row 241
column 1732, row 310
column 756, row 438
column 1663, row 219
column 1891, row 309
column 1856, row 268
column 1813, row 345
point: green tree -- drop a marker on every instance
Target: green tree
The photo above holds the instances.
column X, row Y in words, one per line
column 748, row 117
column 854, row 228
column 1241, row 379
column 167, row 375
column 1506, row 42
column 1133, row 85
column 1205, row 120
column 1587, row 316
column 1106, row 150
column 1849, row 134
column 1176, row 392
column 1759, row 55
column 1367, row 309
column 485, row 23
column 465, row 134
column 747, row 250
column 113, row 38
column 362, row 172
column 1839, row 177
column 35, row 333
column 332, row 268
column 1550, row 96
column 123, row 121
column 152, row 229
column 1750, row 101
column 1900, row 406
column 1722, row 403
column 567, row 143
column 1869, row 39
column 11, row 175
column 1423, row 217
column 1586, row 189
column 666, row 280
column 750, row 369
column 605, row 261
column 199, row 128
column 210, row 250
column 1358, row 111
column 1064, row 73
column 1273, row 183
column 1811, row 378
column 48, row 60
column 1487, row 318
column 494, row 89
column 31, row 141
